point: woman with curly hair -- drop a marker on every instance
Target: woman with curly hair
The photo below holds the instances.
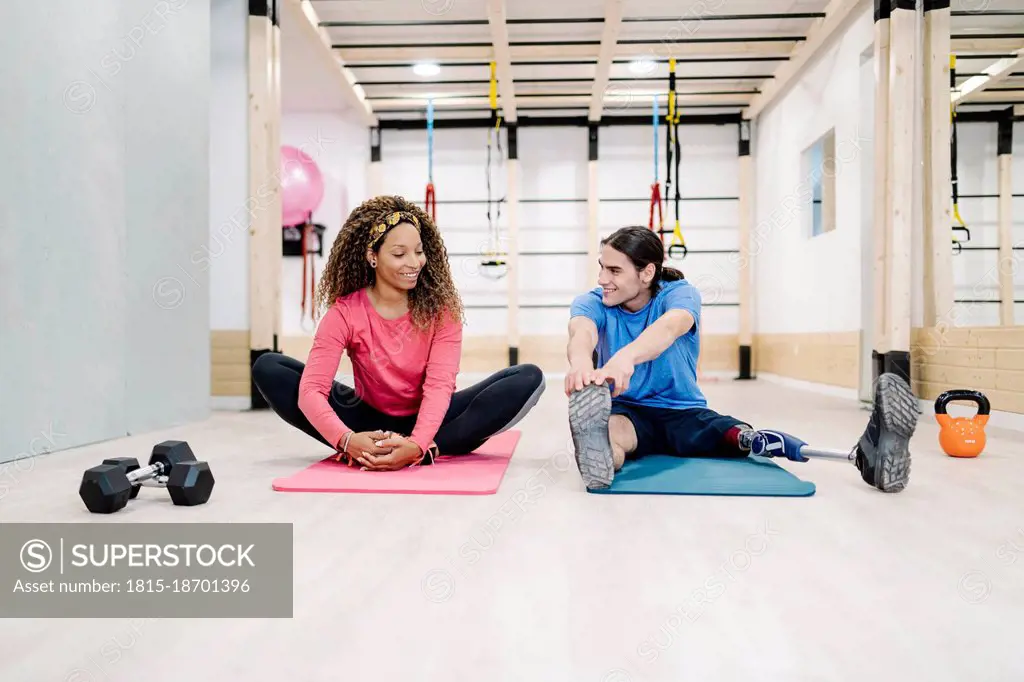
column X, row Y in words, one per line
column 392, row 305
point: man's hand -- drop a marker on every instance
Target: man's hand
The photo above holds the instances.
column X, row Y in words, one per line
column 618, row 370
column 576, row 379
column 401, row 453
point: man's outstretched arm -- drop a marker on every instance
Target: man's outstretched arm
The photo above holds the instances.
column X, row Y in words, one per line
column 654, row 341
column 580, row 353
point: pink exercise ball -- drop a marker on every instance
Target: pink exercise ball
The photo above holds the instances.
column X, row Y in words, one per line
column 302, row 186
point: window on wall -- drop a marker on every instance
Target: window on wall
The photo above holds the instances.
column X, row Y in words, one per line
column 819, row 186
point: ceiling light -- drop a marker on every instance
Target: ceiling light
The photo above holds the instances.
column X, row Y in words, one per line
column 426, row 69
column 642, row 67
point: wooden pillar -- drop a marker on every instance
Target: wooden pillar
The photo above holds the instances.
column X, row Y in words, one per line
column 938, row 220
column 376, row 178
column 273, row 242
column 1006, row 262
column 512, row 170
column 593, row 203
column 745, row 266
column 903, row 129
column 264, row 202
column 881, row 174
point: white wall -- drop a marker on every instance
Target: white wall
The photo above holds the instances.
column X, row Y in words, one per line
column 105, row 193
column 553, row 212
column 341, row 149
column 227, row 254
column 975, row 273
column 805, row 284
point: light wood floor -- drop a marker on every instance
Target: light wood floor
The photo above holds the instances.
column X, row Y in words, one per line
column 850, row 584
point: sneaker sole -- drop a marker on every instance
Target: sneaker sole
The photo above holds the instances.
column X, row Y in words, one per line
column 589, row 412
column 899, row 415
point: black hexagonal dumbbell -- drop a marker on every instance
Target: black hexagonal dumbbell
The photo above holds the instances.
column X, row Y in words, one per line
column 127, row 465
column 190, row 483
column 107, row 488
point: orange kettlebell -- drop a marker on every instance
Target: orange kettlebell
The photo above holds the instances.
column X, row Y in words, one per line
column 962, row 436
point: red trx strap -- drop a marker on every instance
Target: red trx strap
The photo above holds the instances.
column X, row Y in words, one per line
column 656, row 186
column 656, row 201
column 307, row 258
column 430, row 205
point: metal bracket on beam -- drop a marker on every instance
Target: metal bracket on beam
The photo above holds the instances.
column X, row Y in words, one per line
column 744, row 137
column 513, row 140
column 1004, row 136
column 375, row 144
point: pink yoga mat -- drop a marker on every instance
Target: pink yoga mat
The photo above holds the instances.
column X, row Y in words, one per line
column 478, row 473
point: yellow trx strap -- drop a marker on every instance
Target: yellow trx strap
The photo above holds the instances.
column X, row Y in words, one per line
column 960, row 225
column 674, row 152
column 493, row 260
column 494, row 93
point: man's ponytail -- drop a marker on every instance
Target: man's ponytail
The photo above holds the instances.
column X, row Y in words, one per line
column 671, row 274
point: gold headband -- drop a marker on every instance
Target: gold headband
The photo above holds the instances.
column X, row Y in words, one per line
column 389, row 221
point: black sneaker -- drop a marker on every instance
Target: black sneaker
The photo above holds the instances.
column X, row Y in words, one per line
column 589, row 412
column 883, row 452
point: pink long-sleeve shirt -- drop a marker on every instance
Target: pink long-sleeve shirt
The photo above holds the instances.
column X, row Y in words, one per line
column 398, row 369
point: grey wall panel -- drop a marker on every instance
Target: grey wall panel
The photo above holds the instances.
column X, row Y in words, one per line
column 228, row 258
column 62, row 221
column 103, row 190
column 167, row 147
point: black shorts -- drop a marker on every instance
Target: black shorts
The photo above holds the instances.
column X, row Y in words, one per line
column 693, row 432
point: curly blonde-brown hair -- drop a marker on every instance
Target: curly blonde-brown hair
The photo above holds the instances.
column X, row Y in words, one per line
column 347, row 270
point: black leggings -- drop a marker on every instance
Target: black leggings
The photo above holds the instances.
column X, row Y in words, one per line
column 474, row 415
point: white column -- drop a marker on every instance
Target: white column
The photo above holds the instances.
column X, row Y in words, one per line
column 1006, row 262
column 745, row 266
column 881, row 175
column 274, row 247
column 593, row 203
column 938, row 220
column 264, row 182
column 513, row 245
column 903, row 130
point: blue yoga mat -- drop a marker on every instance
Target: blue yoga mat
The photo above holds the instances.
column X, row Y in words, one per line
column 666, row 475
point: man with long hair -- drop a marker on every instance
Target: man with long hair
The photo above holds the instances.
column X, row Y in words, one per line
column 642, row 398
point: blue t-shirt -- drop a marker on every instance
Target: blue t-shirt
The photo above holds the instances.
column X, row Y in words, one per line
column 670, row 380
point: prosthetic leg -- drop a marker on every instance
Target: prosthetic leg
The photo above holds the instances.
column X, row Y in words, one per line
column 882, row 455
